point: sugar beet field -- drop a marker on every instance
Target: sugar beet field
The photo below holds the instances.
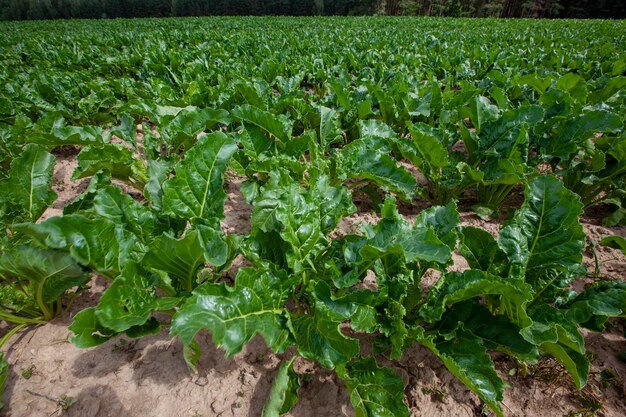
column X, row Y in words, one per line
column 367, row 217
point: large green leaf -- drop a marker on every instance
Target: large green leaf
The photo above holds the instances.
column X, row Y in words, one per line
column 48, row 273
column 88, row 332
column 374, row 391
column 334, row 203
column 85, row 200
column 500, row 137
column 482, row 112
column 182, row 130
column 444, row 220
column 547, row 223
column 70, row 135
column 425, row 151
column 466, row 357
column 399, row 242
column 284, row 393
column 301, row 228
column 454, row 287
column 570, row 134
column 274, row 125
column 368, row 158
column 196, row 190
column 131, row 299
column 481, row 251
column 117, row 160
column 596, row 304
column 577, row 364
column 287, row 208
column 319, row 338
column 99, row 244
column 616, row 242
column 330, row 127
column 496, row 331
column 358, row 306
column 234, row 315
column 26, row 193
column 111, row 203
column 181, row 258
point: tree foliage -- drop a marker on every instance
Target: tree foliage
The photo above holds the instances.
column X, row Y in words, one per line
column 94, row 9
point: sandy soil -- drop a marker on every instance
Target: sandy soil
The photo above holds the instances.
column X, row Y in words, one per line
column 148, row 377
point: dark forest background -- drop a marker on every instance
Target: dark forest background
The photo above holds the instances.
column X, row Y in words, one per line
column 95, row 9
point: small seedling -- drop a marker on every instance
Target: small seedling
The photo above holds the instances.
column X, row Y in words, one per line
column 123, row 345
column 436, row 394
column 28, row 372
column 607, row 377
column 65, row 402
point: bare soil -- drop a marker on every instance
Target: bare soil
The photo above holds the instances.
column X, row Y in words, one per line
column 148, row 377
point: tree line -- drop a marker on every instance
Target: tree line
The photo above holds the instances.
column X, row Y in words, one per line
column 95, row 9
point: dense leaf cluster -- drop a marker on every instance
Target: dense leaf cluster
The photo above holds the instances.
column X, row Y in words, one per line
column 175, row 109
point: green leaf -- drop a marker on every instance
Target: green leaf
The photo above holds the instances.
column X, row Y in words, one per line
column 330, row 127
column 334, row 203
column 454, row 287
column 577, row 364
column 48, row 273
column 85, row 200
column 444, row 220
column 565, row 140
column 552, row 325
column 377, row 129
column 425, row 151
column 70, row 135
column 196, row 190
column 276, row 126
column 127, row 130
column 180, row 258
column 368, row 158
column 287, row 208
column 394, row 238
column 466, row 357
column 192, row 353
column 597, row 303
column 4, row 373
column 357, row 306
column 318, row 338
column 482, row 112
column 548, row 222
column 26, row 193
column 284, row 393
column 616, row 242
column 234, row 315
column 111, row 203
column 131, row 299
column 88, row 332
column 117, row 160
column 99, row 244
column 505, row 134
column 300, row 221
column 496, row 331
column 374, row 391
column 158, row 172
column 182, row 130
column 482, row 252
